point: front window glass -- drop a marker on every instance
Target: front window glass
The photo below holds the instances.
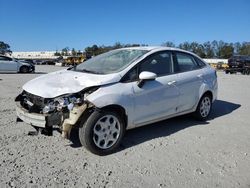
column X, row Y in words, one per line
column 159, row 63
column 110, row 62
column 131, row 75
column 5, row 58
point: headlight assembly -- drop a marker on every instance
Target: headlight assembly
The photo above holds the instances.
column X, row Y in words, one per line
column 59, row 103
column 49, row 108
column 67, row 101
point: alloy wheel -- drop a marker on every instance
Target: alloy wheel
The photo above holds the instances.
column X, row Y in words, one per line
column 106, row 131
column 205, row 106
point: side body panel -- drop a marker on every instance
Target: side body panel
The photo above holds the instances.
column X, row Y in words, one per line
column 156, row 99
column 121, row 94
column 189, row 84
column 8, row 66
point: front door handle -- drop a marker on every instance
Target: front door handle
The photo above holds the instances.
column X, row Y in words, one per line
column 200, row 75
column 171, row 82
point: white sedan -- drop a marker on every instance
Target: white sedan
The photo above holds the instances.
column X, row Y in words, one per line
column 8, row 64
column 119, row 90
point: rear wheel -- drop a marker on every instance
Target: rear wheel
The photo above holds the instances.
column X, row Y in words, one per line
column 102, row 132
column 24, row 69
column 204, row 107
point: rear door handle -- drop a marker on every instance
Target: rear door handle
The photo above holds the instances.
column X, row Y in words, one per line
column 171, row 82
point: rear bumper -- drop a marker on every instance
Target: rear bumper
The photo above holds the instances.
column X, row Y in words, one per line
column 215, row 91
column 38, row 120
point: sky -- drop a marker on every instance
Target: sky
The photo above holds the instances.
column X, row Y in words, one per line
column 39, row 25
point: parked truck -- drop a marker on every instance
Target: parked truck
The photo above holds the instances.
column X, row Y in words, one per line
column 238, row 63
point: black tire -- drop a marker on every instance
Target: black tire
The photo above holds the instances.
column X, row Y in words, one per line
column 24, row 69
column 199, row 114
column 87, row 136
column 247, row 72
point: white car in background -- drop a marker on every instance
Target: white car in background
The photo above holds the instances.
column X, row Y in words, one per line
column 118, row 90
column 8, row 64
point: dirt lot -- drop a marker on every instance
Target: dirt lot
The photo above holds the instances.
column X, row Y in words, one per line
column 179, row 152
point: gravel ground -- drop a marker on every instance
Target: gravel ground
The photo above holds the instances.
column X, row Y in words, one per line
column 179, row 152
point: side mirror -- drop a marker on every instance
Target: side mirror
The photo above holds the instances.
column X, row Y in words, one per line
column 144, row 76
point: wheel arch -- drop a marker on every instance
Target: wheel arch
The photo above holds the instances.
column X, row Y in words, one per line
column 117, row 108
column 208, row 92
column 203, row 92
column 207, row 88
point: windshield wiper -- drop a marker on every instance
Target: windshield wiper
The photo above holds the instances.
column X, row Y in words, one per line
column 72, row 68
column 90, row 71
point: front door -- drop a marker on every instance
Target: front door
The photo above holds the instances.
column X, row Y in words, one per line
column 158, row 98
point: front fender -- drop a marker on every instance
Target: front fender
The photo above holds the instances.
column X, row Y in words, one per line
column 114, row 94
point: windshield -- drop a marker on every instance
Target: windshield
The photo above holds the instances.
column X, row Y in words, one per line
column 110, row 62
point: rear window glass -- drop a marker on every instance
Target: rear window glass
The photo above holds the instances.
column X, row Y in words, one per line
column 185, row 62
column 199, row 62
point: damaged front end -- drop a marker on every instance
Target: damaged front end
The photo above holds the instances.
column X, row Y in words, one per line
column 44, row 113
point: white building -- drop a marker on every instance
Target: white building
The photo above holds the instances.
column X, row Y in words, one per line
column 215, row 61
column 35, row 55
column 51, row 55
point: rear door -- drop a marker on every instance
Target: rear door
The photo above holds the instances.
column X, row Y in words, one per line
column 189, row 80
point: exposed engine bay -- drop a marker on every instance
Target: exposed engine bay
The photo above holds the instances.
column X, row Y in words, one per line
column 63, row 111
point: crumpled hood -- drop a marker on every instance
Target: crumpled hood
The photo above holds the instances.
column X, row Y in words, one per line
column 64, row 82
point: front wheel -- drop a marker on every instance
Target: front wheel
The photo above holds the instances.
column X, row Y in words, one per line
column 204, row 107
column 102, row 132
column 24, row 69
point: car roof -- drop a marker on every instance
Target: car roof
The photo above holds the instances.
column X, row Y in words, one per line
column 158, row 48
column 150, row 48
column 5, row 56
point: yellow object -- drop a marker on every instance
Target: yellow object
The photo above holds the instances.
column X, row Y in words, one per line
column 74, row 60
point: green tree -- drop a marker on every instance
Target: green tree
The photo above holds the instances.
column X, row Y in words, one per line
column 226, row 51
column 237, row 47
column 197, row 49
column 65, row 51
column 73, row 52
column 208, row 49
column 57, row 53
column 185, row 46
column 245, row 48
column 168, row 44
column 93, row 50
column 220, row 46
column 215, row 49
column 4, row 48
column 117, row 45
column 194, row 47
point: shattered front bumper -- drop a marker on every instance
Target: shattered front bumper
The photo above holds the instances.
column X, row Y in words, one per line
column 34, row 119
